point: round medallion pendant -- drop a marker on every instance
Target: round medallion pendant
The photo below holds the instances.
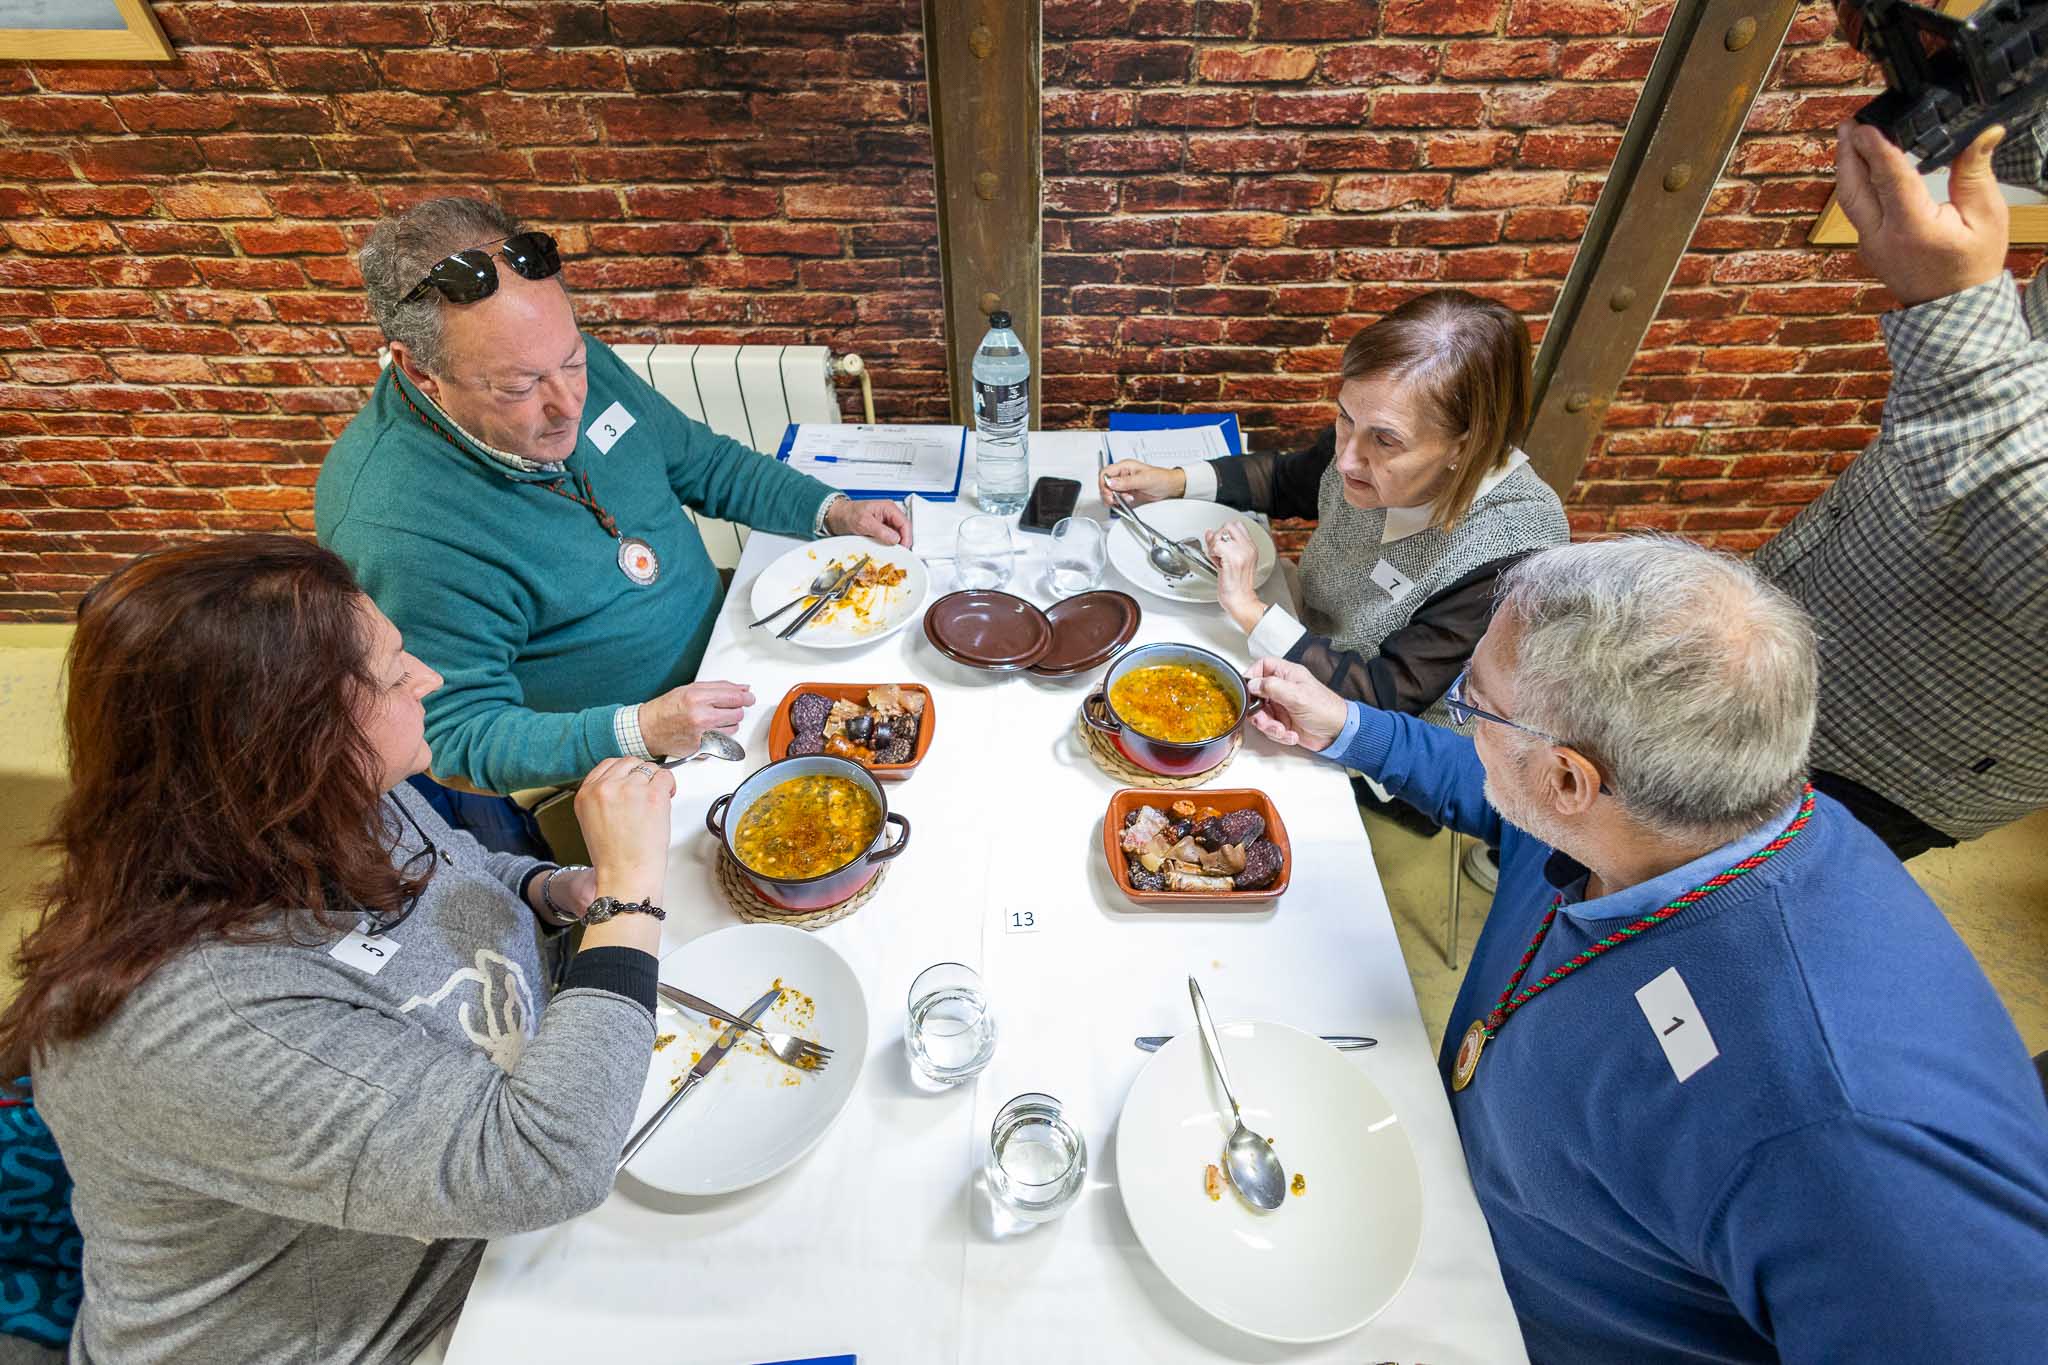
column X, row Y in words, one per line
column 638, row 561
column 1467, row 1060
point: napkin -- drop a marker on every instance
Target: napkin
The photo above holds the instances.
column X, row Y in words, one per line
column 934, row 525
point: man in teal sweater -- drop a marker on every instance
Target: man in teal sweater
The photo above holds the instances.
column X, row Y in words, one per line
column 541, row 560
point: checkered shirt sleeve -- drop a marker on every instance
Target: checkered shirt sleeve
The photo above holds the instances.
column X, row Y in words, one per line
column 626, row 730
column 1966, row 424
column 1925, row 568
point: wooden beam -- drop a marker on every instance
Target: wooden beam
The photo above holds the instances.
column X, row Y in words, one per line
column 982, row 67
column 1709, row 68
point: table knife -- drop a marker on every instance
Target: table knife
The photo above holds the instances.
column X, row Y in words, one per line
column 838, row 591
column 711, row 1058
column 1343, row 1042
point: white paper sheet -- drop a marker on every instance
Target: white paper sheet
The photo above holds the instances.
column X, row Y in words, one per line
column 1169, row 448
column 893, row 457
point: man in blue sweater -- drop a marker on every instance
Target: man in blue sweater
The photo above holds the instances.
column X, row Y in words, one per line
column 1729, row 1087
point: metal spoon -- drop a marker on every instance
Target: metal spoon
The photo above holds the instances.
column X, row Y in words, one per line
column 1166, row 561
column 819, row 585
column 711, row 744
column 1169, row 560
column 1198, row 554
column 1254, row 1170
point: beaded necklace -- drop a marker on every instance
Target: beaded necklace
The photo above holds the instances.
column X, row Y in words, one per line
column 1482, row 1031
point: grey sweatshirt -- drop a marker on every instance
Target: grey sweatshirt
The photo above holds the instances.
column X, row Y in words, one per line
column 283, row 1157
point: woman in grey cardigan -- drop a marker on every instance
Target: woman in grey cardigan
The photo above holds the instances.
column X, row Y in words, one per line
column 1420, row 497
column 293, row 1034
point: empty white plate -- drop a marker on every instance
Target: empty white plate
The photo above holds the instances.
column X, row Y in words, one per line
column 752, row 1117
column 873, row 612
column 1177, row 519
column 1327, row 1260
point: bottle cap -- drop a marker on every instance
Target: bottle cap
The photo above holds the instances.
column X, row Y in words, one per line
column 999, row 319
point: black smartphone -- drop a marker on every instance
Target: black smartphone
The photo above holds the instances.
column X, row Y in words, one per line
column 1051, row 502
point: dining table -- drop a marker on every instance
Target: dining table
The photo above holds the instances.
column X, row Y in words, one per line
column 881, row 1244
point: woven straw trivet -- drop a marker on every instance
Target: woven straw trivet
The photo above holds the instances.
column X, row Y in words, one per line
column 747, row 903
column 1111, row 760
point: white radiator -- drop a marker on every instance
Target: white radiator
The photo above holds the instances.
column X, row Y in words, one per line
column 750, row 393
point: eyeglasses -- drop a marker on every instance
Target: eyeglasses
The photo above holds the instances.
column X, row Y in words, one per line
column 472, row 275
column 1463, row 711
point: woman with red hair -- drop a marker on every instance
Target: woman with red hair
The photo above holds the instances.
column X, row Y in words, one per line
column 293, row 1034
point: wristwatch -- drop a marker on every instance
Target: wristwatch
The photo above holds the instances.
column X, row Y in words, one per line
column 604, row 907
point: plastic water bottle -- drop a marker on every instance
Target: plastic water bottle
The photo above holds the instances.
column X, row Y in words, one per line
column 1002, row 416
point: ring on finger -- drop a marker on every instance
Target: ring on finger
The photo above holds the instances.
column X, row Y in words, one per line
column 644, row 769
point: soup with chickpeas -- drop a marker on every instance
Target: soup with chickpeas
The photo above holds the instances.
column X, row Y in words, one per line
column 807, row 826
column 1179, row 703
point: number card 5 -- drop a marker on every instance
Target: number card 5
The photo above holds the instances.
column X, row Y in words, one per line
column 367, row 953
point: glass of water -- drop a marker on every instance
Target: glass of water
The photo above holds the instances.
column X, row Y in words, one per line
column 984, row 547
column 1077, row 551
column 952, row 1030
column 1037, row 1162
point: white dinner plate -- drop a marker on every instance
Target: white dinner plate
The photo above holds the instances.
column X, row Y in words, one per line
column 752, row 1117
column 875, row 612
column 1177, row 519
column 1327, row 1260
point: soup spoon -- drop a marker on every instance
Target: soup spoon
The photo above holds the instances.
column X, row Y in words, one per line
column 1254, row 1170
column 710, row 744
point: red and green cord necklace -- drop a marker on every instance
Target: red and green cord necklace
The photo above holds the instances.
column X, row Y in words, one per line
column 637, row 560
column 1482, row 1031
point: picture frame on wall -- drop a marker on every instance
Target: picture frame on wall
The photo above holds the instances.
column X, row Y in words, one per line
column 2029, row 219
column 81, row 30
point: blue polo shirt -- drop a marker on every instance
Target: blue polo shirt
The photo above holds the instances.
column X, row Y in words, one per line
column 1858, row 1171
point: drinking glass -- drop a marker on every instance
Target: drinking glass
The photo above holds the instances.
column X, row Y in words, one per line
column 1077, row 550
column 1037, row 1162
column 984, row 552
column 952, row 1030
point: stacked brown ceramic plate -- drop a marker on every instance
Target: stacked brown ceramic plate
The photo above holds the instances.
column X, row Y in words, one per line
column 1004, row 633
column 1086, row 630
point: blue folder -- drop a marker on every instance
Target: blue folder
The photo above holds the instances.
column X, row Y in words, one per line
column 1168, row 421
column 894, row 494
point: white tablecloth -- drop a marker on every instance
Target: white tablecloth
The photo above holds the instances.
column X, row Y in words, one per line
column 879, row 1244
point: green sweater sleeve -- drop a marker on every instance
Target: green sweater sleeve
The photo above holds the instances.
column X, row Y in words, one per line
column 721, row 478
column 468, row 627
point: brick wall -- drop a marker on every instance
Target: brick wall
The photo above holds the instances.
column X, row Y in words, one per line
column 1233, row 188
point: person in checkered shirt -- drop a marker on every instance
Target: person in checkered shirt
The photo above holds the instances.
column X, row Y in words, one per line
column 1925, row 565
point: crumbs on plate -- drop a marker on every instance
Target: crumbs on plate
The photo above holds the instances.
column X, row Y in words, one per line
column 867, row 600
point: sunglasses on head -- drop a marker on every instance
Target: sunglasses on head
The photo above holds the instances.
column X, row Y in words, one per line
column 470, row 275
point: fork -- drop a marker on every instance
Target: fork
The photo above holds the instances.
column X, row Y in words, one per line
column 801, row 1053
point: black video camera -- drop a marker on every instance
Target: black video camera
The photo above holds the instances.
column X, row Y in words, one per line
column 1951, row 78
